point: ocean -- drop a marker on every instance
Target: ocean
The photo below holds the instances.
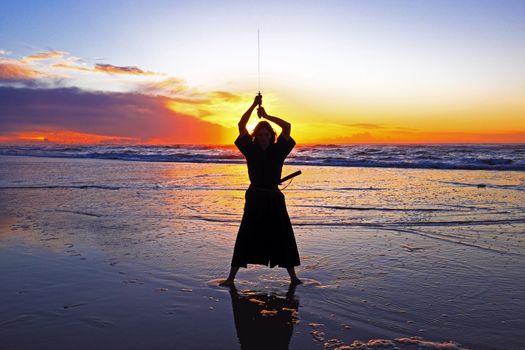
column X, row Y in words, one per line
column 420, row 247
column 453, row 156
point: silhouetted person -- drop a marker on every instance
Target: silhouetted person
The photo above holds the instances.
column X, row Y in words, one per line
column 264, row 321
column 265, row 236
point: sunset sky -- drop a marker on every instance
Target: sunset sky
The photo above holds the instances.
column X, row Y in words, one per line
column 340, row 71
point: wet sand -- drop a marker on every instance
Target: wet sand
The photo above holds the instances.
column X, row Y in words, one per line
column 127, row 255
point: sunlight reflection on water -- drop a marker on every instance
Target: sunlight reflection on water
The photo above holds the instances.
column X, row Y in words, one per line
column 394, row 250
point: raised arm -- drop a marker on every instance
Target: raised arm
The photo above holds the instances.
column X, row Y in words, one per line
column 246, row 116
column 285, row 126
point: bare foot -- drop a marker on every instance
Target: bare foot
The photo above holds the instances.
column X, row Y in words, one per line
column 226, row 282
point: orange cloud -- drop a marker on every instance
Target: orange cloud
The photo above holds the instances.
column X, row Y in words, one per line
column 13, row 71
column 365, row 126
column 465, row 137
column 71, row 66
column 173, row 88
column 427, row 137
column 64, row 136
column 226, row 96
column 106, row 68
column 43, row 56
column 207, row 106
column 178, row 89
column 109, row 68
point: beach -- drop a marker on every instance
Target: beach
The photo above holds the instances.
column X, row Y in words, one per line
column 101, row 253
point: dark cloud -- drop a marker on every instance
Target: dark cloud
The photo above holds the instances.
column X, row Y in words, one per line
column 131, row 115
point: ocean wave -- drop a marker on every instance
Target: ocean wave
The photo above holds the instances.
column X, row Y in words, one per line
column 81, row 187
column 464, row 157
column 482, row 185
column 393, row 224
column 336, row 207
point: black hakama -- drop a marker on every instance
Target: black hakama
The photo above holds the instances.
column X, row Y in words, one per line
column 265, row 235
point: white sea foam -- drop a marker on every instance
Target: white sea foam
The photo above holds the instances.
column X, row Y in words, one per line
column 482, row 157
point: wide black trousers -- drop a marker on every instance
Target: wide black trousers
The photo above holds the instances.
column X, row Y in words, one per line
column 265, row 236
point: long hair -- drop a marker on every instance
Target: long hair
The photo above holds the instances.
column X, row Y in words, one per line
column 261, row 125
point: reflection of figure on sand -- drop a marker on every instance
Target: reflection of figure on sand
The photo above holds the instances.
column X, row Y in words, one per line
column 265, row 235
column 264, row 321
